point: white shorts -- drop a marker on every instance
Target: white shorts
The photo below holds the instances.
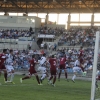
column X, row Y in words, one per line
column 9, row 68
column 90, row 67
column 42, row 70
column 76, row 69
column 43, row 75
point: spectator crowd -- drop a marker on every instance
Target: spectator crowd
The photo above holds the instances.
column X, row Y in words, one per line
column 72, row 37
column 78, row 36
column 14, row 34
column 51, row 31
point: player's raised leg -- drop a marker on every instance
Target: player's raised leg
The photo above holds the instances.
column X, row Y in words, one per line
column 24, row 78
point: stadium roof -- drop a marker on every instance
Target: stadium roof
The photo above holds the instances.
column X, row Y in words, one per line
column 50, row 6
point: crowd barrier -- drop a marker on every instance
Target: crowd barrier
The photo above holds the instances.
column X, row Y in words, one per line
column 25, row 38
column 20, row 43
column 13, row 46
column 9, row 41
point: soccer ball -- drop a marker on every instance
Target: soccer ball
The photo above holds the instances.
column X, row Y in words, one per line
column 69, row 51
column 84, row 73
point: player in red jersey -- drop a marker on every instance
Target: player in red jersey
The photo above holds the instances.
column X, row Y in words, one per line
column 31, row 71
column 81, row 63
column 53, row 66
column 62, row 66
column 2, row 64
column 81, row 54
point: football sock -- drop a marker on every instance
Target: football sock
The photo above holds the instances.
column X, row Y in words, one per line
column 51, row 78
column 54, row 80
column 74, row 76
column 59, row 75
column 9, row 74
column 37, row 78
column 26, row 77
column 5, row 76
column 66, row 75
column 12, row 76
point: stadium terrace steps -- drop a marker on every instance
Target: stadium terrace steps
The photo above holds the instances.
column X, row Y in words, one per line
column 57, row 38
column 34, row 46
column 64, row 45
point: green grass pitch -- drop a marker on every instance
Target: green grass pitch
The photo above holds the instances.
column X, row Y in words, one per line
column 29, row 90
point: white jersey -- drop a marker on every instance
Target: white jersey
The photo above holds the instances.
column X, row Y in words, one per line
column 76, row 67
column 77, row 63
column 42, row 60
column 42, row 70
column 9, row 63
column 9, row 59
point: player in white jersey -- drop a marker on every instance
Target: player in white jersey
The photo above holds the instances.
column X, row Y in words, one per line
column 43, row 72
column 76, row 69
column 9, row 66
column 43, row 63
column 42, row 60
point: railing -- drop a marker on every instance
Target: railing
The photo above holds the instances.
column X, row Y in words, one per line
column 14, row 41
column 3, row 40
column 13, row 46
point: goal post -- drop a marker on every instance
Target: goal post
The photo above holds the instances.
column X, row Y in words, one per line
column 96, row 50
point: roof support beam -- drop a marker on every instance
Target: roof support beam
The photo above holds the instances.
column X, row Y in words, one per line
column 65, row 8
column 86, row 6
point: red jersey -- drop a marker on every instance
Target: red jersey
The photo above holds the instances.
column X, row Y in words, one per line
column 53, row 63
column 63, row 60
column 81, row 53
column 32, row 66
column 81, row 60
column 2, row 59
column 32, row 63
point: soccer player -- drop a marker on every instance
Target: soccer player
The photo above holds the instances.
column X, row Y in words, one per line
column 53, row 65
column 76, row 68
column 31, row 71
column 62, row 66
column 43, row 63
column 9, row 65
column 43, row 71
column 43, row 59
column 81, row 52
column 2, row 64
